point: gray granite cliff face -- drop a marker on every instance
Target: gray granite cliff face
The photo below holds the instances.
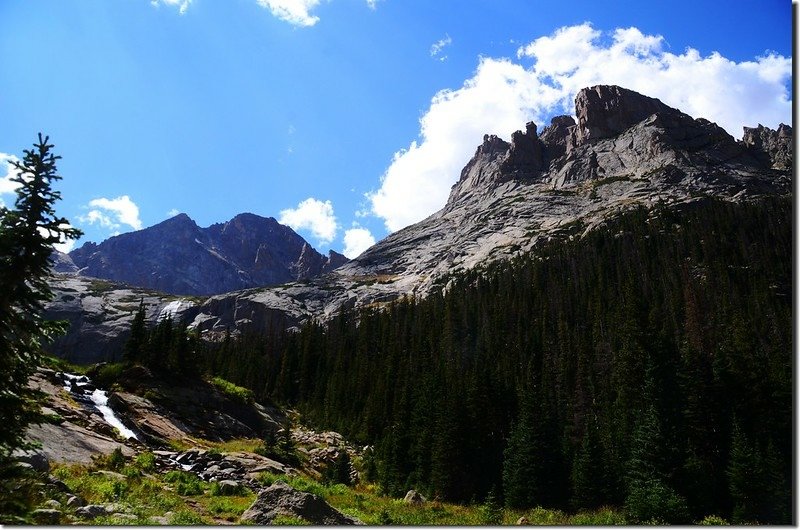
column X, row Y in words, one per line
column 625, row 150
column 178, row 257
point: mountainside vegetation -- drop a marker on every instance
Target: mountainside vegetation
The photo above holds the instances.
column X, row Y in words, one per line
column 646, row 365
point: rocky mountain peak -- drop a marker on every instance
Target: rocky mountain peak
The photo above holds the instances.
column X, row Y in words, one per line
column 176, row 256
column 773, row 148
column 604, row 111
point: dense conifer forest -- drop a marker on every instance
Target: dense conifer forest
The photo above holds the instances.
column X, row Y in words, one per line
column 646, row 365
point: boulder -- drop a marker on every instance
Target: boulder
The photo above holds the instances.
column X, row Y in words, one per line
column 36, row 458
column 228, row 487
column 523, row 521
column 73, row 501
column 46, row 516
column 282, row 499
column 91, row 511
column 414, row 498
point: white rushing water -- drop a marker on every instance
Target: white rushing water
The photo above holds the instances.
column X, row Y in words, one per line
column 99, row 399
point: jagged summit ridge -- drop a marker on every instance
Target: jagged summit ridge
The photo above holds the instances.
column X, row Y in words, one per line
column 618, row 132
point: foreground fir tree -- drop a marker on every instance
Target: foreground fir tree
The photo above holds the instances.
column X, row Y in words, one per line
column 27, row 235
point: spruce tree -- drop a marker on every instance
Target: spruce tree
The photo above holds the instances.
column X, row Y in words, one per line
column 27, row 235
column 134, row 351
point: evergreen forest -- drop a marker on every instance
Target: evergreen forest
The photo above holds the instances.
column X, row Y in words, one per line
column 646, row 365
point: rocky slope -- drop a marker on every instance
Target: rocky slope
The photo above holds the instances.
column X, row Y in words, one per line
column 178, row 257
column 624, row 150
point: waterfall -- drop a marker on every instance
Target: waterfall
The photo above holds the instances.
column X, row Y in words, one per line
column 99, row 400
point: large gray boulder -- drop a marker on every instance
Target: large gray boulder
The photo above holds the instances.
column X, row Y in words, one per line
column 282, row 499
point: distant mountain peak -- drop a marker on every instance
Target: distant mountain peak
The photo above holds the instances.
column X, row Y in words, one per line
column 176, row 256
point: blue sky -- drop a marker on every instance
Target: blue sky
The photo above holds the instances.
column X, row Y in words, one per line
column 346, row 119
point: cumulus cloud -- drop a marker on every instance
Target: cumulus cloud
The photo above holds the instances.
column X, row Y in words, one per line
column 314, row 215
column 372, row 4
column 356, row 241
column 542, row 81
column 66, row 246
column 7, row 186
column 438, row 46
column 182, row 5
column 113, row 213
column 295, row 12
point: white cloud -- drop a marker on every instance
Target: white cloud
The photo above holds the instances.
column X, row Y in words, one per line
column 504, row 94
column 113, row 213
column 65, row 246
column 173, row 212
column 356, row 241
column 296, row 12
column 314, row 215
column 7, row 186
column 372, row 4
column 182, row 5
column 438, row 46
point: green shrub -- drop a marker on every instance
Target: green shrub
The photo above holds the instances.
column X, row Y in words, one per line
column 713, row 520
column 114, row 461
column 108, row 374
column 146, row 461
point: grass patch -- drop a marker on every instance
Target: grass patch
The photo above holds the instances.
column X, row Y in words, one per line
column 234, row 392
column 185, row 483
column 108, row 374
column 245, row 445
column 62, row 365
column 227, row 508
column 186, row 517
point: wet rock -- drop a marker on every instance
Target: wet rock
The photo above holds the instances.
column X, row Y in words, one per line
column 282, row 499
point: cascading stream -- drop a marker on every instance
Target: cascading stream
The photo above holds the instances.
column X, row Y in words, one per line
column 98, row 399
